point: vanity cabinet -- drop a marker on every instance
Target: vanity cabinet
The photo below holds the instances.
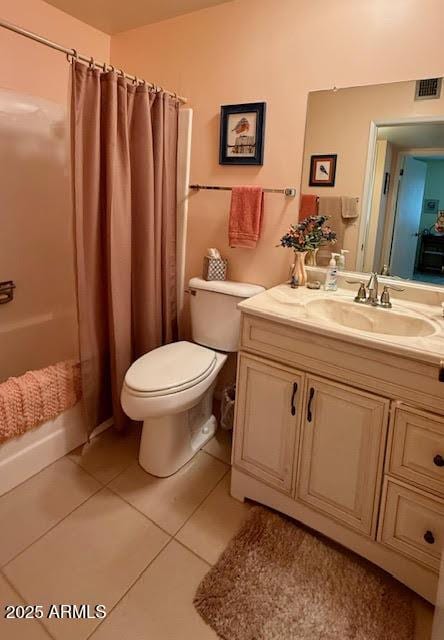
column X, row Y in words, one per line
column 342, row 448
column 347, row 439
column 270, row 402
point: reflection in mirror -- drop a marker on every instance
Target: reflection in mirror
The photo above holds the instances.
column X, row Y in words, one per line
column 386, row 201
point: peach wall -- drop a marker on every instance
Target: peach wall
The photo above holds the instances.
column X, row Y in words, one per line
column 32, row 68
column 250, row 50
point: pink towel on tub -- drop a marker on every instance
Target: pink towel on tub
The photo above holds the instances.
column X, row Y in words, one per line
column 37, row 396
column 247, row 205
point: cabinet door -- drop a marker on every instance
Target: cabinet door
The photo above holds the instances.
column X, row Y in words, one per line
column 343, row 438
column 267, row 416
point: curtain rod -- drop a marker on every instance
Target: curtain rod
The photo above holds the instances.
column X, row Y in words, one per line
column 78, row 56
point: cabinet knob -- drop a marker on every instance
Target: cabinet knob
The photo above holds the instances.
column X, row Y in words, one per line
column 429, row 537
column 438, row 460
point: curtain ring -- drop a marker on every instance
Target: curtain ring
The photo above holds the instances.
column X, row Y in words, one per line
column 92, row 63
column 136, row 80
column 122, row 73
column 104, row 67
column 72, row 56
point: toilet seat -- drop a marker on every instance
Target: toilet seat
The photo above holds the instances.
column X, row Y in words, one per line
column 170, row 369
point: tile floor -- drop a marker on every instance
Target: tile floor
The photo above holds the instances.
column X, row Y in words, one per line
column 94, row 528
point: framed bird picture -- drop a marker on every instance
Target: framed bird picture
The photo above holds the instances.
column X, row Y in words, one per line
column 323, row 171
column 242, row 128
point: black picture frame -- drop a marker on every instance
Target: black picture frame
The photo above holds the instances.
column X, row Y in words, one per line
column 329, row 159
column 431, row 206
column 246, row 154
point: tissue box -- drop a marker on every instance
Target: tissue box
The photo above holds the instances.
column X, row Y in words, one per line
column 215, row 268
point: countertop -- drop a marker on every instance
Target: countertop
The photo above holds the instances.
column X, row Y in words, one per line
column 290, row 307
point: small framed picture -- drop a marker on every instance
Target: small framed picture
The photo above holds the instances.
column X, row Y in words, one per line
column 431, row 206
column 242, row 128
column 323, row 171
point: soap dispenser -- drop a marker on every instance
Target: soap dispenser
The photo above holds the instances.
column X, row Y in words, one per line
column 341, row 259
column 331, row 275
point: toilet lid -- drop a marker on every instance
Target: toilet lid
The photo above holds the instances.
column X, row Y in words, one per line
column 171, row 368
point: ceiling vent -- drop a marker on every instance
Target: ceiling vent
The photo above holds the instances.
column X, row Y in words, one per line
column 429, row 89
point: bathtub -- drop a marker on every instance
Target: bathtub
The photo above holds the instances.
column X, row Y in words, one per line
column 26, row 455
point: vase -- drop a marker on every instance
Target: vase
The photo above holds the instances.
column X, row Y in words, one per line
column 311, row 258
column 298, row 268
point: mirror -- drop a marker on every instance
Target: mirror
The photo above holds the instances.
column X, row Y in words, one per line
column 374, row 159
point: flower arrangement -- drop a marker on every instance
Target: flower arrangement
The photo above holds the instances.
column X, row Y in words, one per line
column 439, row 225
column 308, row 235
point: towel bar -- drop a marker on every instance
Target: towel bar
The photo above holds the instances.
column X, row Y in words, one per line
column 287, row 191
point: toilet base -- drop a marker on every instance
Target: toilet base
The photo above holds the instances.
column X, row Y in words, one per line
column 169, row 442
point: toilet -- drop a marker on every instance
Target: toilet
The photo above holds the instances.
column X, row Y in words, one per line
column 171, row 388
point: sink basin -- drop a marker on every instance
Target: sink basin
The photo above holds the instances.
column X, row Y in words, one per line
column 369, row 319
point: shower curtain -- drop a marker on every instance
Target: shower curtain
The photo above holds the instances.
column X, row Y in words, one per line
column 124, row 145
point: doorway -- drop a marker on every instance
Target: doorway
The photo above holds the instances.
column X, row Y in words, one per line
column 417, row 250
column 402, row 235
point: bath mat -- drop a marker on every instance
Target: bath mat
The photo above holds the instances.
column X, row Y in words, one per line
column 278, row 581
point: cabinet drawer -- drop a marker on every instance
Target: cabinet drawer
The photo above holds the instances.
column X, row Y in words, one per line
column 417, row 448
column 412, row 523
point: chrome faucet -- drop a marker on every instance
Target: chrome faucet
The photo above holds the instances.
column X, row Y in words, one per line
column 372, row 288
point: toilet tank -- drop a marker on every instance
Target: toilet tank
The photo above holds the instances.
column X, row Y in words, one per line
column 215, row 318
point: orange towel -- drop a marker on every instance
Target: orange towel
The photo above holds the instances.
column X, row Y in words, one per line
column 308, row 206
column 37, row 396
column 247, row 205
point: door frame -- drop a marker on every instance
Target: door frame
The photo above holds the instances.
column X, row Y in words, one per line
column 370, row 176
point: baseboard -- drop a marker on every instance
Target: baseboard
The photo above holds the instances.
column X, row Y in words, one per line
column 26, row 455
column 101, row 428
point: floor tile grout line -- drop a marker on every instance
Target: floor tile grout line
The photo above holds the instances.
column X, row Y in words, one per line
column 25, row 601
column 101, row 488
column 213, row 455
column 133, row 462
column 114, row 492
column 3, row 566
column 190, row 516
column 182, row 544
column 173, row 535
column 202, row 501
column 133, row 584
column 98, row 490
column 34, row 475
column 136, row 462
column 79, row 463
column 88, row 473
